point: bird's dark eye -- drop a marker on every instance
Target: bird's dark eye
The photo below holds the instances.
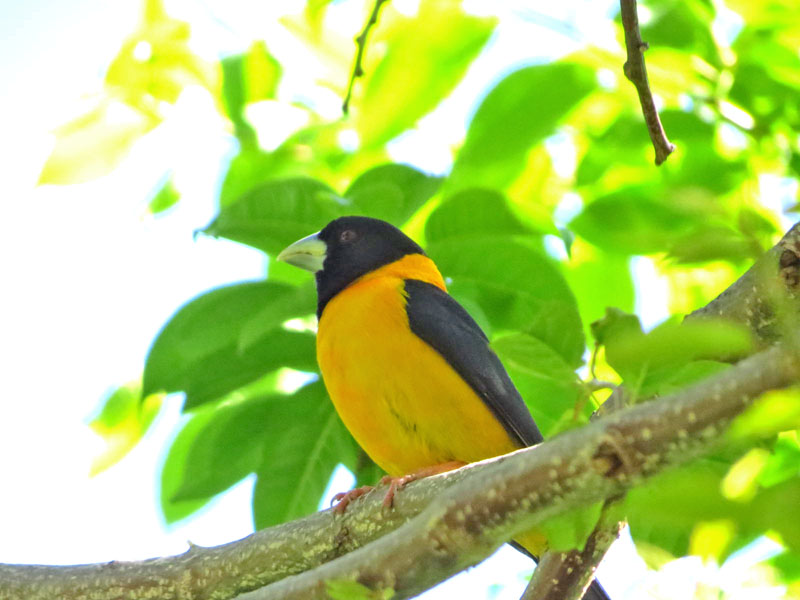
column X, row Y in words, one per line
column 348, row 235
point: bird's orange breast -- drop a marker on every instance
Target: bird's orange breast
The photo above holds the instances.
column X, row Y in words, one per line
column 402, row 401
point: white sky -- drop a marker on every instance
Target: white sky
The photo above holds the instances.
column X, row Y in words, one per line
column 88, row 278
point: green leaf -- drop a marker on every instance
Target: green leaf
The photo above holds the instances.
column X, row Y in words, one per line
column 683, row 25
column 517, row 287
column 303, row 443
column 249, row 168
column 234, row 96
column 172, row 471
column 546, row 382
column 672, row 379
column 788, row 566
column 665, row 510
column 300, row 302
column 276, row 213
column 226, row 448
column 95, row 142
column 615, row 324
column 198, row 350
column 631, row 221
column 503, row 128
column 473, row 213
column 571, row 529
column 775, row 411
column 637, row 356
column 426, row 58
column 123, row 420
column 391, row 192
column 783, row 464
column 165, row 198
column 713, row 243
column 263, row 72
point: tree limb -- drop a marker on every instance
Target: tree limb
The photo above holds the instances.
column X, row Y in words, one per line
column 361, row 43
column 566, row 575
column 473, row 510
column 636, row 72
column 766, row 295
column 597, row 462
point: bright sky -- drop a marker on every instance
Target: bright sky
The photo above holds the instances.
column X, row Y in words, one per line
column 88, row 279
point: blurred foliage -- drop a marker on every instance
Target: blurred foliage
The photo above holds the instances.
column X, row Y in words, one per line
column 536, row 251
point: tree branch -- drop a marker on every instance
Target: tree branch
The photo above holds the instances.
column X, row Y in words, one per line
column 597, row 462
column 566, row 575
column 766, row 295
column 361, row 43
column 636, row 72
column 473, row 510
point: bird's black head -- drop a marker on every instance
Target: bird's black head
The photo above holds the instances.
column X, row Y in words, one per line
column 346, row 249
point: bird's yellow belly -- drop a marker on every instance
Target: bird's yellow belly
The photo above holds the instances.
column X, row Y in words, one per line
column 402, row 402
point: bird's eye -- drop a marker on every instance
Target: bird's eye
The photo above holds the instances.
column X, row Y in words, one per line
column 348, row 235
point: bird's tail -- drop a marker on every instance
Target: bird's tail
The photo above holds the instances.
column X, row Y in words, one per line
column 595, row 591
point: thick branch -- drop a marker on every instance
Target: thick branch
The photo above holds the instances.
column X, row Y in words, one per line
column 475, row 509
column 597, row 462
column 361, row 44
column 636, row 72
column 757, row 297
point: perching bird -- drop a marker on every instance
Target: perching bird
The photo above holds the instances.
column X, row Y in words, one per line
column 409, row 371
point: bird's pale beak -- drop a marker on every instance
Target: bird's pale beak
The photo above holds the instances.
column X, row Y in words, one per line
column 308, row 253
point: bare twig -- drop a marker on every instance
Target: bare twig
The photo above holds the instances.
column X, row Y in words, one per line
column 636, row 72
column 361, row 43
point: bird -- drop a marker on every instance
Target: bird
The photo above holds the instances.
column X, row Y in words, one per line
column 409, row 371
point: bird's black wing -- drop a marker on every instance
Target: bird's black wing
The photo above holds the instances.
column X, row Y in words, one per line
column 437, row 318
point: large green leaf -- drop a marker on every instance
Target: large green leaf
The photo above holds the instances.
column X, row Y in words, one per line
column 685, row 25
column 303, row 443
column 391, row 192
column 301, row 301
column 225, row 448
column 426, row 58
column 276, row 213
column 474, row 212
column 175, row 464
column 632, row 221
column 656, row 362
column 198, row 350
column 547, row 383
column 517, row 287
column 665, row 510
column 519, row 112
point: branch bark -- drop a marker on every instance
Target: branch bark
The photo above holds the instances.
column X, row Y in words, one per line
column 765, row 298
column 566, row 575
column 636, row 72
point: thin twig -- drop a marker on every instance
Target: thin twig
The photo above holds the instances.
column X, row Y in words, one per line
column 636, row 72
column 361, row 43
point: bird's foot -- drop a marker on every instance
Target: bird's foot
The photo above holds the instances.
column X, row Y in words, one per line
column 342, row 499
column 397, row 483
